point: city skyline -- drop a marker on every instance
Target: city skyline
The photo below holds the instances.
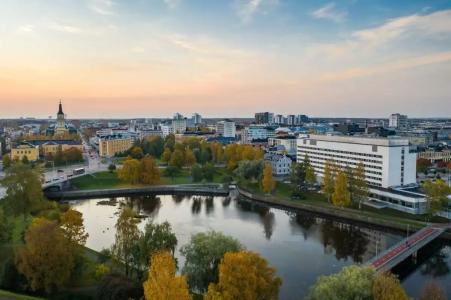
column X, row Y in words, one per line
column 116, row 59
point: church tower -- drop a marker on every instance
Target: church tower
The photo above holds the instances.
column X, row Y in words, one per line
column 60, row 116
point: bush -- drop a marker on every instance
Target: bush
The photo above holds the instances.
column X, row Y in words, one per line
column 118, row 287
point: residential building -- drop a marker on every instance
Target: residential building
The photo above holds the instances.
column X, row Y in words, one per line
column 166, row 129
column 196, row 119
column 434, row 155
column 398, row 121
column 49, row 148
column 289, row 143
column 111, row 145
column 390, row 166
column 291, row 120
column 179, row 126
column 279, row 119
column 264, row 118
column 226, row 128
column 281, row 164
column 25, row 149
column 256, row 133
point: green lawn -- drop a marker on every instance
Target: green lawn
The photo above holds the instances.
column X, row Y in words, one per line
column 13, row 296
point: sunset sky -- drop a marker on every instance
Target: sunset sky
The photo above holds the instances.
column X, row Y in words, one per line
column 151, row 58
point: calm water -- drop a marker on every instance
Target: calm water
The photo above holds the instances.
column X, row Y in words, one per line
column 300, row 245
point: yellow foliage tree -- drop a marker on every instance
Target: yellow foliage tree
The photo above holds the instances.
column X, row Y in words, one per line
column 268, row 182
column 327, row 186
column 190, row 158
column 130, row 171
column 387, row 287
column 73, row 228
column 166, row 156
column 341, row 196
column 150, row 173
column 162, row 284
column 46, row 260
column 246, row 276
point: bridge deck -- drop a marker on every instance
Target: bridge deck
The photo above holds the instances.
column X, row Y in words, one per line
column 400, row 251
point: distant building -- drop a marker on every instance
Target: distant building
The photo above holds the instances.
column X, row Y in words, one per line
column 111, row 145
column 264, row 118
column 288, row 143
column 434, row 156
column 226, row 129
column 179, row 126
column 50, row 148
column 166, row 129
column 279, row 119
column 291, row 120
column 60, row 127
column 25, row 149
column 390, row 166
column 398, row 121
column 178, row 116
column 254, row 133
column 281, row 164
column 196, row 119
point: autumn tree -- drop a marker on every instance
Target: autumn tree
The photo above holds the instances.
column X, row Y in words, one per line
column 46, row 259
column 360, row 189
column 328, row 183
column 150, row 173
column 166, row 156
column 23, row 189
column 190, row 159
column 268, row 182
column 162, row 283
column 387, row 287
column 245, row 275
column 73, row 228
column 130, row 171
column 136, row 152
column 127, row 233
column 203, row 254
column 433, row 291
column 341, row 196
column 6, row 161
column 310, row 176
column 436, row 195
column 5, row 227
column 169, row 142
column 423, row 164
column 177, row 159
column 297, row 176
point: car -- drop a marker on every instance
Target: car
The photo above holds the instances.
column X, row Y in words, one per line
column 60, row 171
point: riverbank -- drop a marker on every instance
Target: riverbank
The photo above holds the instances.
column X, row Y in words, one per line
column 398, row 224
column 190, row 189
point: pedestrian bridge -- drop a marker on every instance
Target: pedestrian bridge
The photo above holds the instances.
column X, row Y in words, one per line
column 402, row 250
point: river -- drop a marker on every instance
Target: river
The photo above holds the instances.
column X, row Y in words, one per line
column 300, row 245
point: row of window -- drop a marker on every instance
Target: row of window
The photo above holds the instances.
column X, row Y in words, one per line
column 395, row 201
column 340, row 156
column 323, row 159
column 340, row 151
column 320, row 170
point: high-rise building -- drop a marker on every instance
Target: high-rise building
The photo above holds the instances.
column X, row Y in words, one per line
column 279, row 119
column 196, row 119
column 398, row 121
column 179, row 126
column 178, row 116
column 390, row 166
column 226, row 128
column 264, row 118
column 291, row 120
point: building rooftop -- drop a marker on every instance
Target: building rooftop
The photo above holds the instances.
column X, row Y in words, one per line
column 387, row 142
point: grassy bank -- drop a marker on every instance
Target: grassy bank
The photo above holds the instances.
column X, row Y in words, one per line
column 14, row 296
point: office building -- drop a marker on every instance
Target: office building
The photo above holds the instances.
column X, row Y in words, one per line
column 25, row 149
column 390, row 166
column 291, row 120
column 111, row 145
column 226, row 128
column 398, row 121
column 196, row 119
column 264, row 118
column 288, row 143
column 179, row 126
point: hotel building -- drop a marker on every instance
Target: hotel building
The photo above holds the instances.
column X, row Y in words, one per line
column 390, row 166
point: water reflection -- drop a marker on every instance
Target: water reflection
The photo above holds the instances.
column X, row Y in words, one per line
column 300, row 245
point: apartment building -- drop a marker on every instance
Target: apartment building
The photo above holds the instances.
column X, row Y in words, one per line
column 111, row 145
column 398, row 121
column 390, row 166
column 25, row 149
column 281, row 164
column 288, row 142
column 226, row 128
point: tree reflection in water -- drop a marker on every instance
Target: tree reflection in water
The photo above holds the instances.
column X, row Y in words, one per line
column 196, row 206
column 347, row 240
column 149, row 204
column 178, row 198
column 436, row 265
column 209, row 205
column 226, row 201
column 267, row 217
column 303, row 220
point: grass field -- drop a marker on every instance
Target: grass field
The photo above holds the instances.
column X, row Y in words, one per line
column 13, row 296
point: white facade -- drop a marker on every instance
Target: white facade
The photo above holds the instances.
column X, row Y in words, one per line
column 290, row 144
column 226, row 129
column 281, row 164
column 389, row 164
column 196, row 119
column 256, row 132
column 166, row 130
column 178, row 126
column 397, row 121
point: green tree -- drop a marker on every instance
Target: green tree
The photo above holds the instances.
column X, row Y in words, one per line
column 190, row 159
column 268, row 182
column 6, row 161
column 162, row 283
column 297, row 176
column 171, row 172
column 127, row 233
column 150, row 173
column 156, row 237
column 177, row 159
column 169, row 142
column 130, row 171
column 247, row 276
column 351, row 283
column 250, row 170
column 46, row 260
column 341, row 196
column 196, row 173
column 203, row 255
column 23, row 186
column 5, row 227
column 208, row 171
column 112, row 168
column 328, row 183
column 436, row 195
column 25, row 160
column 310, row 176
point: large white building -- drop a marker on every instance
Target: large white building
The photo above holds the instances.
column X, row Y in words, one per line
column 289, row 143
column 179, row 126
column 256, row 132
column 397, row 121
column 390, row 166
column 226, row 128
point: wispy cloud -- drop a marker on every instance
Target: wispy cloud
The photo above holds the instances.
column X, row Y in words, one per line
column 103, row 7
column 246, row 9
column 26, row 28
column 172, row 3
column 329, row 12
column 65, row 28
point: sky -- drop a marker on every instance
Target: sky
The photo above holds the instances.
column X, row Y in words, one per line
column 152, row 58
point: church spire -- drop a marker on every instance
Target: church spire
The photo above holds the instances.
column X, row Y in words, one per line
column 60, row 111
